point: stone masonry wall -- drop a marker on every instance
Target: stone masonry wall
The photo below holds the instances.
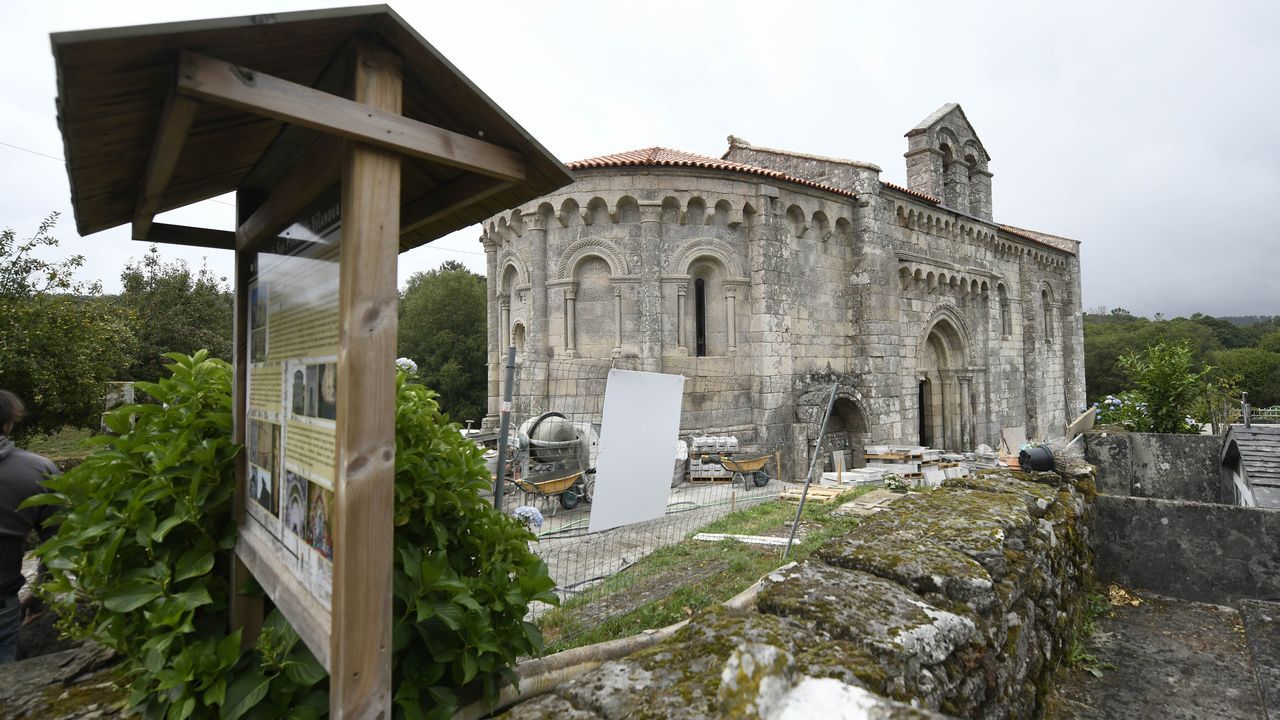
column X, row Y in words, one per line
column 1159, row 465
column 1194, row 551
column 959, row 601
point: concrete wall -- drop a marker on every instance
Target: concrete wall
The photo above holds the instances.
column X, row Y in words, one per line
column 961, row 601
column 1194, row 551
column 1156, row 465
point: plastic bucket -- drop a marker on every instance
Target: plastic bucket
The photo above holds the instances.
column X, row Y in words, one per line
column 1039, row 457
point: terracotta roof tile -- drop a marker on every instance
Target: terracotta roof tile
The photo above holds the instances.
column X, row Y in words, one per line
column 665, row 157
column 1056, row 242
column 913, row 193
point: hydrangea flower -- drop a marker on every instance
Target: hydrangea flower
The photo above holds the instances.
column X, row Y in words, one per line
column 528, row 515
column 407, row 365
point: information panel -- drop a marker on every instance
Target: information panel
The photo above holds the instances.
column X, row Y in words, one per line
column 292, row 388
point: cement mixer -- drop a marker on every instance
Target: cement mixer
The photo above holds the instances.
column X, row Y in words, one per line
column 557, row 458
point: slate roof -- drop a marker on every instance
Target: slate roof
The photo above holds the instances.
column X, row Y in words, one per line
column 1259, row 447
column 666, row 157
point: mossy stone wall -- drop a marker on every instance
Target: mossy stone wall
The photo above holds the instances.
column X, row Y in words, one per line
column 960, row 602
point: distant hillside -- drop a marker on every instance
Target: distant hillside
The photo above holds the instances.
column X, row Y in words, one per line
column 1243, row 320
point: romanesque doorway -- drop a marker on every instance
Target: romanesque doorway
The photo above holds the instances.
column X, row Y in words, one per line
column 943, row 416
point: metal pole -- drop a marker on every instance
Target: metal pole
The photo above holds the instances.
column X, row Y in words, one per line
column 504, row 427
column 813, row 462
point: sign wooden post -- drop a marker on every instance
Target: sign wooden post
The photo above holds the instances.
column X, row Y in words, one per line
column 360, row 658
column 246, row 610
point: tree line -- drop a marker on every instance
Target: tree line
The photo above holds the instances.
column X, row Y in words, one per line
column 62, row 339
column 1241, row 357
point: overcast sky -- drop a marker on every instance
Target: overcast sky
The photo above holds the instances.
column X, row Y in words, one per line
column 1143, row 129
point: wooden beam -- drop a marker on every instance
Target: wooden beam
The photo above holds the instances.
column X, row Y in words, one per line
column 246, row 611
column 246, row 89
column 316, row 172
column 193, row 236
column 292, row 142
column 364, row 487
column 175, row 121
column 448, row 199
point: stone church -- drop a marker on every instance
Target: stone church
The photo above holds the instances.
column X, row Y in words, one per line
column 779, row 274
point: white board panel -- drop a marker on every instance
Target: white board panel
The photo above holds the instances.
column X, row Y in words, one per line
column 638, row 432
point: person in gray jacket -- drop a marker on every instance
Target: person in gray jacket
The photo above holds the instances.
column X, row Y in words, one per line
column 21, row 475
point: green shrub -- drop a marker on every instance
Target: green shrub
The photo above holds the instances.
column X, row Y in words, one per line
column 1163, row 376
column 1165, row 389
column 145, row 538
column 145, row 530
column 464, row 576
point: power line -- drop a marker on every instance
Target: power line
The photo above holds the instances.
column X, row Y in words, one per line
column 220, row 202
column 33, row 152
column 55, row 157
column 464, row 252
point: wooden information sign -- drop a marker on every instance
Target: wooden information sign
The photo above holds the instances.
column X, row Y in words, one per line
column 347, row 139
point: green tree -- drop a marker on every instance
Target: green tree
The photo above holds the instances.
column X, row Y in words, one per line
column 175, row 311
column 443, row 330
column 1229, row 334
column 1166, row 384
column 60, row 341
column 1270, row 342
column 1258, row 370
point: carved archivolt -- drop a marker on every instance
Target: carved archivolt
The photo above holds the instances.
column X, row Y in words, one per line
column 949, row 325
column 510, row 259
column 703, row 247
column 600, row 247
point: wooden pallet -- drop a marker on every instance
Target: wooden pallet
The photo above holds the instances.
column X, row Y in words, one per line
column 817, row 493
column 711, row 480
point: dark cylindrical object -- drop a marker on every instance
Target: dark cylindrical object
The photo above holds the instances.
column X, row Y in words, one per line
column 1039, row 457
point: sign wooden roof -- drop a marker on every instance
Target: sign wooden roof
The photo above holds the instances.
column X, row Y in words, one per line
column 155, row 117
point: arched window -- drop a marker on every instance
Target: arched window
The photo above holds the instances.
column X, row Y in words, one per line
column 700, row 316
column 1046, row 301
column 1006, row 322
column 949, row 174
column 517, row 338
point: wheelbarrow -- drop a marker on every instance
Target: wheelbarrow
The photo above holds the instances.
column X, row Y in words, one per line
column 569, row 489
column 742, row 468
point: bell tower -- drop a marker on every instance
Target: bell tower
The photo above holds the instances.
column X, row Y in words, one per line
column 946, row 159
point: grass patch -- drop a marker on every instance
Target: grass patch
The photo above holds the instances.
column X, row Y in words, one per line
column 1078, row 656
column 674, row 571
column 65, row 444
